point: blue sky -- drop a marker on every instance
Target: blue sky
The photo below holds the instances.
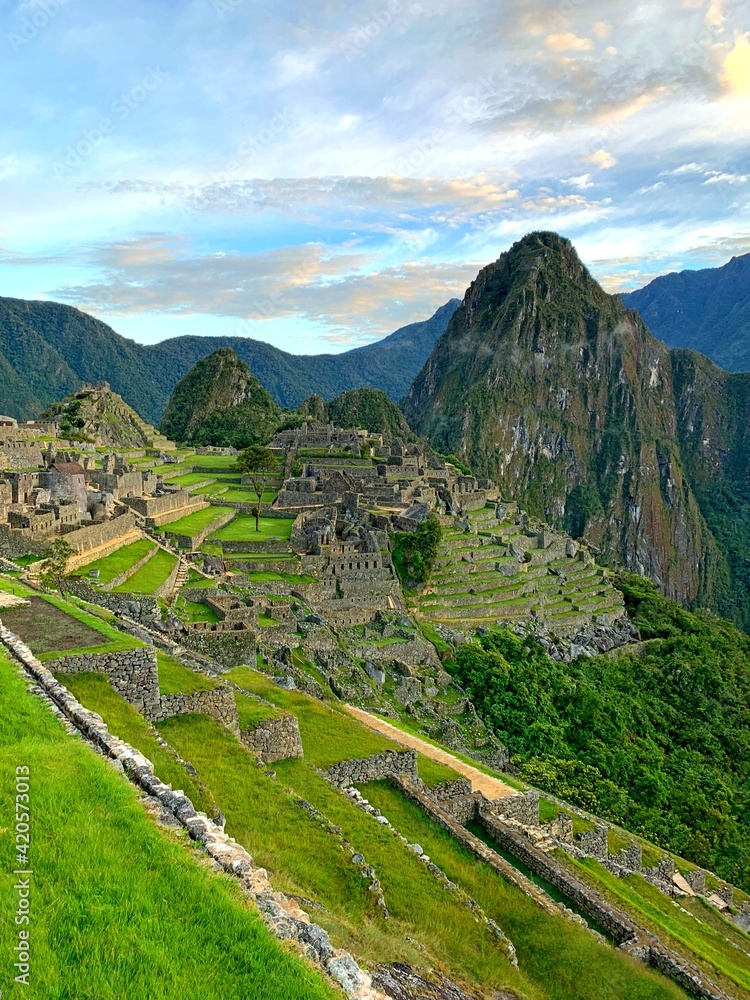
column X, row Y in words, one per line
column 316, row 175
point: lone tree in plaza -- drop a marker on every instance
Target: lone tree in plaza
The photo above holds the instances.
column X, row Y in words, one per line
column 55, row 563
column 256, row 463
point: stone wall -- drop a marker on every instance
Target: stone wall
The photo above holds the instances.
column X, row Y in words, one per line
column 167, row 507
column 594, row 842
column 195, row 541
column 230, row 649
column 20, row 454
column 219, row 703
column 274, row 739
column 375, row 768
column 522, row 807
column 101, row 539
column 133, row 674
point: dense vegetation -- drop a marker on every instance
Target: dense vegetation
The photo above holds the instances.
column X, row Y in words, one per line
column 221, row 403
column 656, row 740
column 414, row 552
column 370, row 408
column 48, row 349
column 706, row 310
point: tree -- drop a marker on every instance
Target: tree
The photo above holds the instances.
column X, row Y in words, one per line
column 55, row 563
column 256, row 462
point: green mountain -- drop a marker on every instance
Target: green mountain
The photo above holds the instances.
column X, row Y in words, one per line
column 47, row 350
column 370, row 408
column 219, row 402
column 560, row 393
column 706, row 310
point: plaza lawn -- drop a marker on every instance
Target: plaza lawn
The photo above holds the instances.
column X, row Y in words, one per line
column 118, row 562
column 242, row 529
column 188, row 478
column 191, row 524
column 150, row 577
column 120, row 908
column 237, row 494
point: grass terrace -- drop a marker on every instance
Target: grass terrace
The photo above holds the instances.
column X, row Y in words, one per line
column 187, row 478
column 118, row 562
column 121, row 908
column 193, row 523
column 150, row 577
column 176, row 678
column 242, row 529
column 329, row 734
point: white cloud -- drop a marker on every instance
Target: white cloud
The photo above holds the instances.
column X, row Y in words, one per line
column 602, row 159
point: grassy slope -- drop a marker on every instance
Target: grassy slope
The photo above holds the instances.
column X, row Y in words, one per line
column 176, row 678
column 118, row 562
column 304, row 858
column 119, row 908
column 191, row 524
column 556, row 953
column 96, row 693
column 151, row 576
column 329, row 734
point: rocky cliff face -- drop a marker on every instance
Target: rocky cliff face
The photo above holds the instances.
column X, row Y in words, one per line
column 560, row 393
column 219, row 402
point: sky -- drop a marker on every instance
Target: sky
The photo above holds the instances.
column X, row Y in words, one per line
column 316, row 175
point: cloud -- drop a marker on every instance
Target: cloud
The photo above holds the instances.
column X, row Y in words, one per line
column 736, row 70
column 602, row 159
column 337, row 290
column 567, row 41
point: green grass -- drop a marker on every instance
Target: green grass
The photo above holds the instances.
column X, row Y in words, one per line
column 267, row 576
column 176, row 678
column 188, row 478
column 242, row 529
column 301, row 856
column 688, row 935
column 251, row 712
column 121, row 909
column 193, row 523
column 96, row 693
column 266, row 621
column 328, row 733
column 557, row 955
column 150, row 577
column 408, row 725
column 118, row 562
column 548, row 811
column 192, row 611
column 239, row 495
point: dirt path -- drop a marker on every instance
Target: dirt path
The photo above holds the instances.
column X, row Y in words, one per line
column 493, row 788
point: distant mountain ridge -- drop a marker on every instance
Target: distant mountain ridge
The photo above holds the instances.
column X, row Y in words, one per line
column 706, row 311
column 560, row 393
column 47, row 350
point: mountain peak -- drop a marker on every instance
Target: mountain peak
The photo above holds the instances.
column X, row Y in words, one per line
column 220, row 402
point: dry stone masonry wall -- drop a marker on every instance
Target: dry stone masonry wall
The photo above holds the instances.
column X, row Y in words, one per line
column 274, row 739
column 375, row 768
